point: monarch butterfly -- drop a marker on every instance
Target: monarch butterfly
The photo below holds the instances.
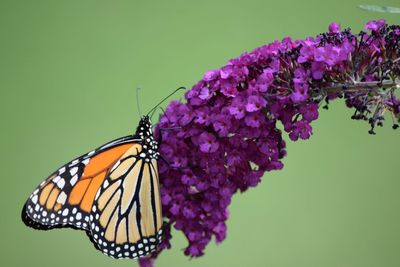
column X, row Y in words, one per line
column 112, row 193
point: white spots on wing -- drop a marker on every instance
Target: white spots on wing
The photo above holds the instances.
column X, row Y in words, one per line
column 115, row 165
column 61, row 183
column 74, row 210
column 142, row 155
column 61, row 170
column 105, row 184
column 86, row 161
column 97, row 195
column 74, row 180
column 79, row 216
column 65, row 212
column 91, row 152
column 62, row 198
column 55, row 180
column 35, row 199
column 73, row 171
column 74, row 162
column 37, row 207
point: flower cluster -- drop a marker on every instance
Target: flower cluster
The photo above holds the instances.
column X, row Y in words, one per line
column 226, row 135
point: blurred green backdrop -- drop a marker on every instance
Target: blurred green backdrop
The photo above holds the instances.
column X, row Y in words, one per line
column 68, row 73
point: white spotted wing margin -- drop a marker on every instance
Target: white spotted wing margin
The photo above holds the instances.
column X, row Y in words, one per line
column 126, row 220
column 44, row 214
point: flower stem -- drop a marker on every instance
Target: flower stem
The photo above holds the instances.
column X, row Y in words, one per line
column 362, row 87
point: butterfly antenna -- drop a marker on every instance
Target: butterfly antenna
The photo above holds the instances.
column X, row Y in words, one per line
column 165, row 98
column 137, row 101
column 154, row 111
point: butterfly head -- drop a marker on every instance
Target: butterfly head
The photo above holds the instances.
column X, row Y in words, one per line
column 144, row 129
column 145, row 133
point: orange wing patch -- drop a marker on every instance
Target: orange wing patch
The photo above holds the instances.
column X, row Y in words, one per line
column 94, row 186
column 93, row 176
column 104, row 160
column 78, row 192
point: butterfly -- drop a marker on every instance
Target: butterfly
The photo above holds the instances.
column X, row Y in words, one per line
column 112, row 193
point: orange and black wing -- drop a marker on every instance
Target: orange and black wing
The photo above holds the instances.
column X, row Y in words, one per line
column 65, row 198
column 112, row 193
column 126, row 220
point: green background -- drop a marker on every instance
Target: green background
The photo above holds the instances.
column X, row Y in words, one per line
column 68, row 73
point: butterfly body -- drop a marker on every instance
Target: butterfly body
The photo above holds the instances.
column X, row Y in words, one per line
column 112, row 193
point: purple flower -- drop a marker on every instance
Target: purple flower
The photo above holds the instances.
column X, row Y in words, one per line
column 175, row 209
column 208, row 143
column 228, row 89
column 204, row 93
column 307, row 50
column 255, row 103
column 334, row 27
column 226, row 72
column 309, row 112
column 253, row 120
column 328, row 54
column 375, row 25
column 237, row 108
column 318, row 70
column 211, row 75
column 300, row 129
column 232, row 125
column 220, row 232
column 146, row 262
column 202, row 115
column 222, row 125
column 265, row 80
column 300, row 93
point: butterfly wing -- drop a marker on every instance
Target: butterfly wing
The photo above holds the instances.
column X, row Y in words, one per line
column 65, row 198
column 112, row 193
column 126, row 220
